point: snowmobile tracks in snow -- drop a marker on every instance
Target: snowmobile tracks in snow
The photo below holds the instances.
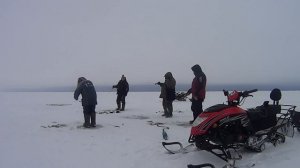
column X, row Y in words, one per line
column 178, row 123
column 108, row 112
column 58, row 104
column 139, row 117
column 57, row 125
column 96, row 127
column 176, row 111
column 158, row 124
column 54, row 125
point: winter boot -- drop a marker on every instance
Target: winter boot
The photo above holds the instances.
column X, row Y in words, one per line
column 123, row 107
column 93, row 119
column 168, row 115
column 86, row 121
column 119, row 106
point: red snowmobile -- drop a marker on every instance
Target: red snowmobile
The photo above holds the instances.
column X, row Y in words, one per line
column 224, row 128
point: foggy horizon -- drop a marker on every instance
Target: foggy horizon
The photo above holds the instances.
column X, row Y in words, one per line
column 51, row 43
column 156, row 88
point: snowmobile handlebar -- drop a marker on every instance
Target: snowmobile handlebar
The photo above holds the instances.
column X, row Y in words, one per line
column 247, row 93
column 234, row 97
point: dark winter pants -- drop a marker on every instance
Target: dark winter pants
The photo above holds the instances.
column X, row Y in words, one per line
column 121, row 99
column 89, row 115
column 168, row 107
column 196, row 108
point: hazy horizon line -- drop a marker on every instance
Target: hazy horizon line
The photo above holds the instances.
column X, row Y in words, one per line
column 156, row 88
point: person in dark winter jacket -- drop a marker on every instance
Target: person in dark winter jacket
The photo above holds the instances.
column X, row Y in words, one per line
column 122, row 90
column 86, row 89
column 198, row 91
column 168, row 94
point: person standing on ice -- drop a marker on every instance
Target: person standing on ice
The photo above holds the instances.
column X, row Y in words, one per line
column 86, row 89
column 167, row 94
column 198, row 91
column 122, row 90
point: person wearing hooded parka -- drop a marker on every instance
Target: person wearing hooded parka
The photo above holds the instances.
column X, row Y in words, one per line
column 122, row 91
column 198, row 91
column 86, row 89
column 168, row 94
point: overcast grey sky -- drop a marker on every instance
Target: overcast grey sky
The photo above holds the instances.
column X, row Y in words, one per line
column 53, row 42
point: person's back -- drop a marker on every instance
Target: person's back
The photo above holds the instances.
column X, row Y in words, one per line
column 88, row 93
column 122, row 87
column 89, row 101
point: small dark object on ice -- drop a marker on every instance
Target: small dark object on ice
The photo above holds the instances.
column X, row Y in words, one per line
column 54, row 126
column 201, row 165
column 164, row 134
column 58, row 104
column 108, row 111
column 158, row 124
column 252, row 165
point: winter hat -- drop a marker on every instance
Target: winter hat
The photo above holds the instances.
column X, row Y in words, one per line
column 81, row 79
column 168, row 75
column 197, row 69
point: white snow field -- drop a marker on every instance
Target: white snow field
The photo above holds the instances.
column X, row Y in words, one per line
column 42, row 130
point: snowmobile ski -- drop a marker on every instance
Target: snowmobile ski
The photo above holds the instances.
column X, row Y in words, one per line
column 178, row 147
column 208, row 165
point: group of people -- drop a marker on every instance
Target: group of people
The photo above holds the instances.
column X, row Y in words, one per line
column 86, row 89
column 89, row 96
column 197, row 90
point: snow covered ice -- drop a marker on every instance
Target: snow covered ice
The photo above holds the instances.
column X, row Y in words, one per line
column 41, row 130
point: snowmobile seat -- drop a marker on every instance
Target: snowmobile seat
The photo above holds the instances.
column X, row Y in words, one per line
column 263, row 117
column 217, row 107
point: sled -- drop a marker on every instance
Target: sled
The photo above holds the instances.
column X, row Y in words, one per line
column 295, row 115
column 289, row 118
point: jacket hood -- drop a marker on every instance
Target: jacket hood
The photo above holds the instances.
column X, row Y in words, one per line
column 81, row 79
column 169, row 75
column 196, row 69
